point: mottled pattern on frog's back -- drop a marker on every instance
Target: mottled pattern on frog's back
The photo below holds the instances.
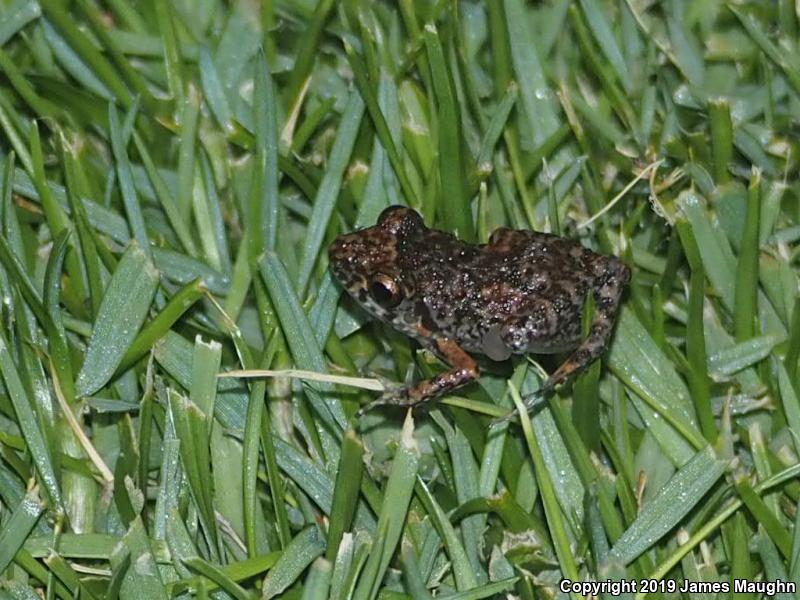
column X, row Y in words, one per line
column 527, row 286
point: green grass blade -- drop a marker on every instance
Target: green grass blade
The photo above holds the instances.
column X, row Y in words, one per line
column 456, row 208
column 462, row 569
column 19, row 14
column 328, row 191
column 176, row 307
column 496, row 125
column 535, row 95
column 18, row 526
column 601, row 29
column 465, row 479
column 318, row 581
column 26, row 419
column 307, row 49
column 88, row 247
column 125, row 178
column 82, row 45
column 391, row 519
column 721, row 137
column 746, row 292
column 265, row 207
column 552, row 510
column 189, row 117
column 300, row 338
column 670, row 505
column 172, row 58
column 213, row 90
column 636, row 360
column 146, row 581
column 219, row 577
column 768, row 520
column 122, row 312
column 109, row 43
column 298, row 555
column 192, row 427
column 165, row 197
column 345, row 491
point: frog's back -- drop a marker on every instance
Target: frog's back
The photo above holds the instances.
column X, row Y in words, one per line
column 527, row 286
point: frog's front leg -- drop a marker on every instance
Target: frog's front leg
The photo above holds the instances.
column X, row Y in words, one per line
column 463, row 370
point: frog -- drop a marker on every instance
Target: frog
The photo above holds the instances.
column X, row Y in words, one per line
column 523, row 292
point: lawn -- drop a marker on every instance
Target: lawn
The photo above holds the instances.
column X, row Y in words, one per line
column 171, row 176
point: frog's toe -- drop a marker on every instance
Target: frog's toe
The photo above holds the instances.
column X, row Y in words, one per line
column 531, row 402
column 394, row 394
column 507, row 418
column 387, row 384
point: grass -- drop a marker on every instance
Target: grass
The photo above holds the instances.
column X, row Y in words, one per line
column 172, row 174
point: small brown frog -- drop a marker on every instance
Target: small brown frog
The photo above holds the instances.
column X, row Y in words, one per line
column 523, row 292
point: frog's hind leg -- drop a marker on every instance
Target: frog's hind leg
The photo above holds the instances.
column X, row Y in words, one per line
column 463, row 370
column 612, row 277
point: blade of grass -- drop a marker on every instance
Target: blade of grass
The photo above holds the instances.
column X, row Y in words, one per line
column 219, row 577
column 86, row 50
column 328, row 192
column 214, row 92
column 264, row 197
column 18, row 526
column 761, row 38
column 456, row 210
column 165, row 197
column 307, row 51
column 109, row 43
column 172, row 56
column 378, row 120
column 26, row 420
column 465, row 479
column 299, row 336
column 190, row 113
column 602, row 32
column 17, row 16
column 663, row 512
column 192, row 426
column 125, row 178
column 638, row 362
column 768, row 520
column 298, row 555
column 535, row 95
column 345, row 491
column 89, row 253
column 719, row 113
column 41, row 106
column 56, row 216
column 392, row 516
column 746, row 291
column 122, row 312
column 318, row 581
column 552, row 510
column 144, row 581
column 699, row 382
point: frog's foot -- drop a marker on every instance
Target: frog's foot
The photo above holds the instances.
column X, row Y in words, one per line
column 531, row 402
column 394, row 394
column 463, row 370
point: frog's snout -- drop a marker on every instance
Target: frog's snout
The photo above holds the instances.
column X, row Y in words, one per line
column 347, row 248
column 342, row 255
column 350, row 256
column 338, row 252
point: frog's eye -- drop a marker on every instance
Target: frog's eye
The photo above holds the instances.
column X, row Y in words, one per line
column 385, row 291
